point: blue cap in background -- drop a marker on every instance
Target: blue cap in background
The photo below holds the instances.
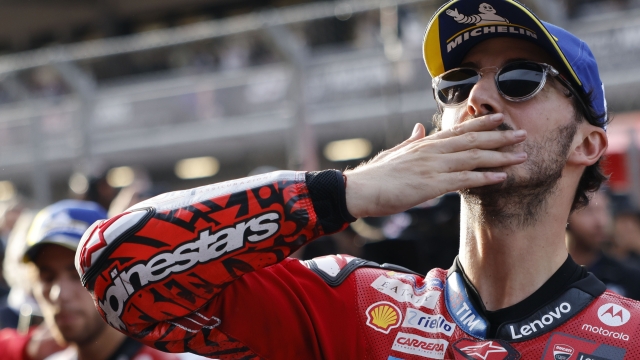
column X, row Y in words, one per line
column 62, row 223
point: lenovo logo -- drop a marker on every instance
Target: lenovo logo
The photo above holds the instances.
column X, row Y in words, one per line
column 536, row 325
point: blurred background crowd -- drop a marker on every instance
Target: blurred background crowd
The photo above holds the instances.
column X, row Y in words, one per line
column 116, row 101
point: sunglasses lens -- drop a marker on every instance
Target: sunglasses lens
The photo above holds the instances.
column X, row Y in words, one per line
column 454, row 87
column 521, row 79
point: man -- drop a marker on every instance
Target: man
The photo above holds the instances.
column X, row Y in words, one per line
column 587, row 230
column 67, row 308
column 205, row 270
column 626, row 233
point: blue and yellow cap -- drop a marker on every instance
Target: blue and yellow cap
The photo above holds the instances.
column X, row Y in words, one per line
column 63, row 224
column 461, row 24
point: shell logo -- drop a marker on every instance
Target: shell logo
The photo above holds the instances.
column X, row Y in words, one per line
column 383, row 316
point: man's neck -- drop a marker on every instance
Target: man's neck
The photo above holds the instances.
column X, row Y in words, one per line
column 507, row 263
column 102, row 346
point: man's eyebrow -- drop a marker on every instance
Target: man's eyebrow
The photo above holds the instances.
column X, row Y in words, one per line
column 469, row 64
column 474, row 65
column 508, row 61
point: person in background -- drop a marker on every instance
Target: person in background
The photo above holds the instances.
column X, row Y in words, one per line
column 626, row 235
column 587, row 231
column 24, row 335
column 67, row 308
column 10, row 214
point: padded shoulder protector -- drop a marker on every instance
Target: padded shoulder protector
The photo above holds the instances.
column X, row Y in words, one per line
column 334, row 269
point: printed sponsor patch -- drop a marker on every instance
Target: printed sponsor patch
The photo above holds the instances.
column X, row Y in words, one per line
column 546, row 318
column 613, row 314
column 403, row 292
column 563, row 346
column 562, row 352
column 429, row 323
column 421, row 346
column 461, row 309
column 383, row 316
column 484, row 350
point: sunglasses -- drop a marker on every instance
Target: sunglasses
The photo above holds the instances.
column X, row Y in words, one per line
column 517, row 81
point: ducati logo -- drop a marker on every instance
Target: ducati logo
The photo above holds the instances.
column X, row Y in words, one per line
column 562, row 352
column 613, row 314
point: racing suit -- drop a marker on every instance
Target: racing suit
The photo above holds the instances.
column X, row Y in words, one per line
column 206, row 271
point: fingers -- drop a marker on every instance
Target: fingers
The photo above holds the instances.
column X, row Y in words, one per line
column 483, row 123
column 470, row 179
column 479, row 159
column 418, row 132
column 481, row 140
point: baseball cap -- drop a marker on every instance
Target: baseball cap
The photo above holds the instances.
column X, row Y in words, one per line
column 62, row 223
column 461, row 24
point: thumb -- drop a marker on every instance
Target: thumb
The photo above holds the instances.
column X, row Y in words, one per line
column 418, row 132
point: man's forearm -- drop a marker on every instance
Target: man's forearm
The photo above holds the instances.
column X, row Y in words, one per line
column 187, row 245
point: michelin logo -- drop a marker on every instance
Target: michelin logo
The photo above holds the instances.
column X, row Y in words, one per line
column 208, row 246
column 486, row 17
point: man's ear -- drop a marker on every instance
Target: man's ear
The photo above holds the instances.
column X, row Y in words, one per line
column 593, row 144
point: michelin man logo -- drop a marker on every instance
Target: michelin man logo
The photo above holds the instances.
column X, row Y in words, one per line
column 487, row 15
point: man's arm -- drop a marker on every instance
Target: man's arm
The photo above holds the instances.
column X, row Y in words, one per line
column 183, row 249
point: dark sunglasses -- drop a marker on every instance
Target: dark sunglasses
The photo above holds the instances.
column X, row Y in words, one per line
column 516, row 81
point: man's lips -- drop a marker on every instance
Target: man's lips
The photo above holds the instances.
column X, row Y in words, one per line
column 67, row 317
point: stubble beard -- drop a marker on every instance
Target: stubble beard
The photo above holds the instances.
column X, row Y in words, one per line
column 519, row 203
column 92, row 329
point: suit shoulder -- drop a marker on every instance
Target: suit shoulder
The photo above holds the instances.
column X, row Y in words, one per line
column 334, row 269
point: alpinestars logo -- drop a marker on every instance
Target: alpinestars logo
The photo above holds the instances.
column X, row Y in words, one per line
column 484, row 350
column 613, row 314
column 206, row 247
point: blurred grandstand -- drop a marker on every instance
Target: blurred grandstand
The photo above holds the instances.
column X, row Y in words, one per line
column 195, row 91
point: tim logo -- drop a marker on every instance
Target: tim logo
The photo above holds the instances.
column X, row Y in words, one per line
column 487, row 15
column 613, row 314
column 562, row 352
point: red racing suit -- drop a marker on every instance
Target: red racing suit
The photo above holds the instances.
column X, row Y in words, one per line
column 206, row 271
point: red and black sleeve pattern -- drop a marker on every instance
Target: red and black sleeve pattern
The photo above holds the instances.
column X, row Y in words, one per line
column 154, row 269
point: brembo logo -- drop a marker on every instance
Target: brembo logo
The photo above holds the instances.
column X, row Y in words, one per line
column 536, row 325
column 208, row 246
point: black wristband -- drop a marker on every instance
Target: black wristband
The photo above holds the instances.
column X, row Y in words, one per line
column 327, row 192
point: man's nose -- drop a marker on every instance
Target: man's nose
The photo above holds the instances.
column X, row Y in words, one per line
column 63, row 290
column 484, row 98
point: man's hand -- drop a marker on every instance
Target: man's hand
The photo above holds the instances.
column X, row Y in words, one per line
column 422, row 168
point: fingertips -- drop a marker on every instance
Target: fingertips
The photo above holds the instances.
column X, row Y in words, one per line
column 495, row 177
column 418, row 132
